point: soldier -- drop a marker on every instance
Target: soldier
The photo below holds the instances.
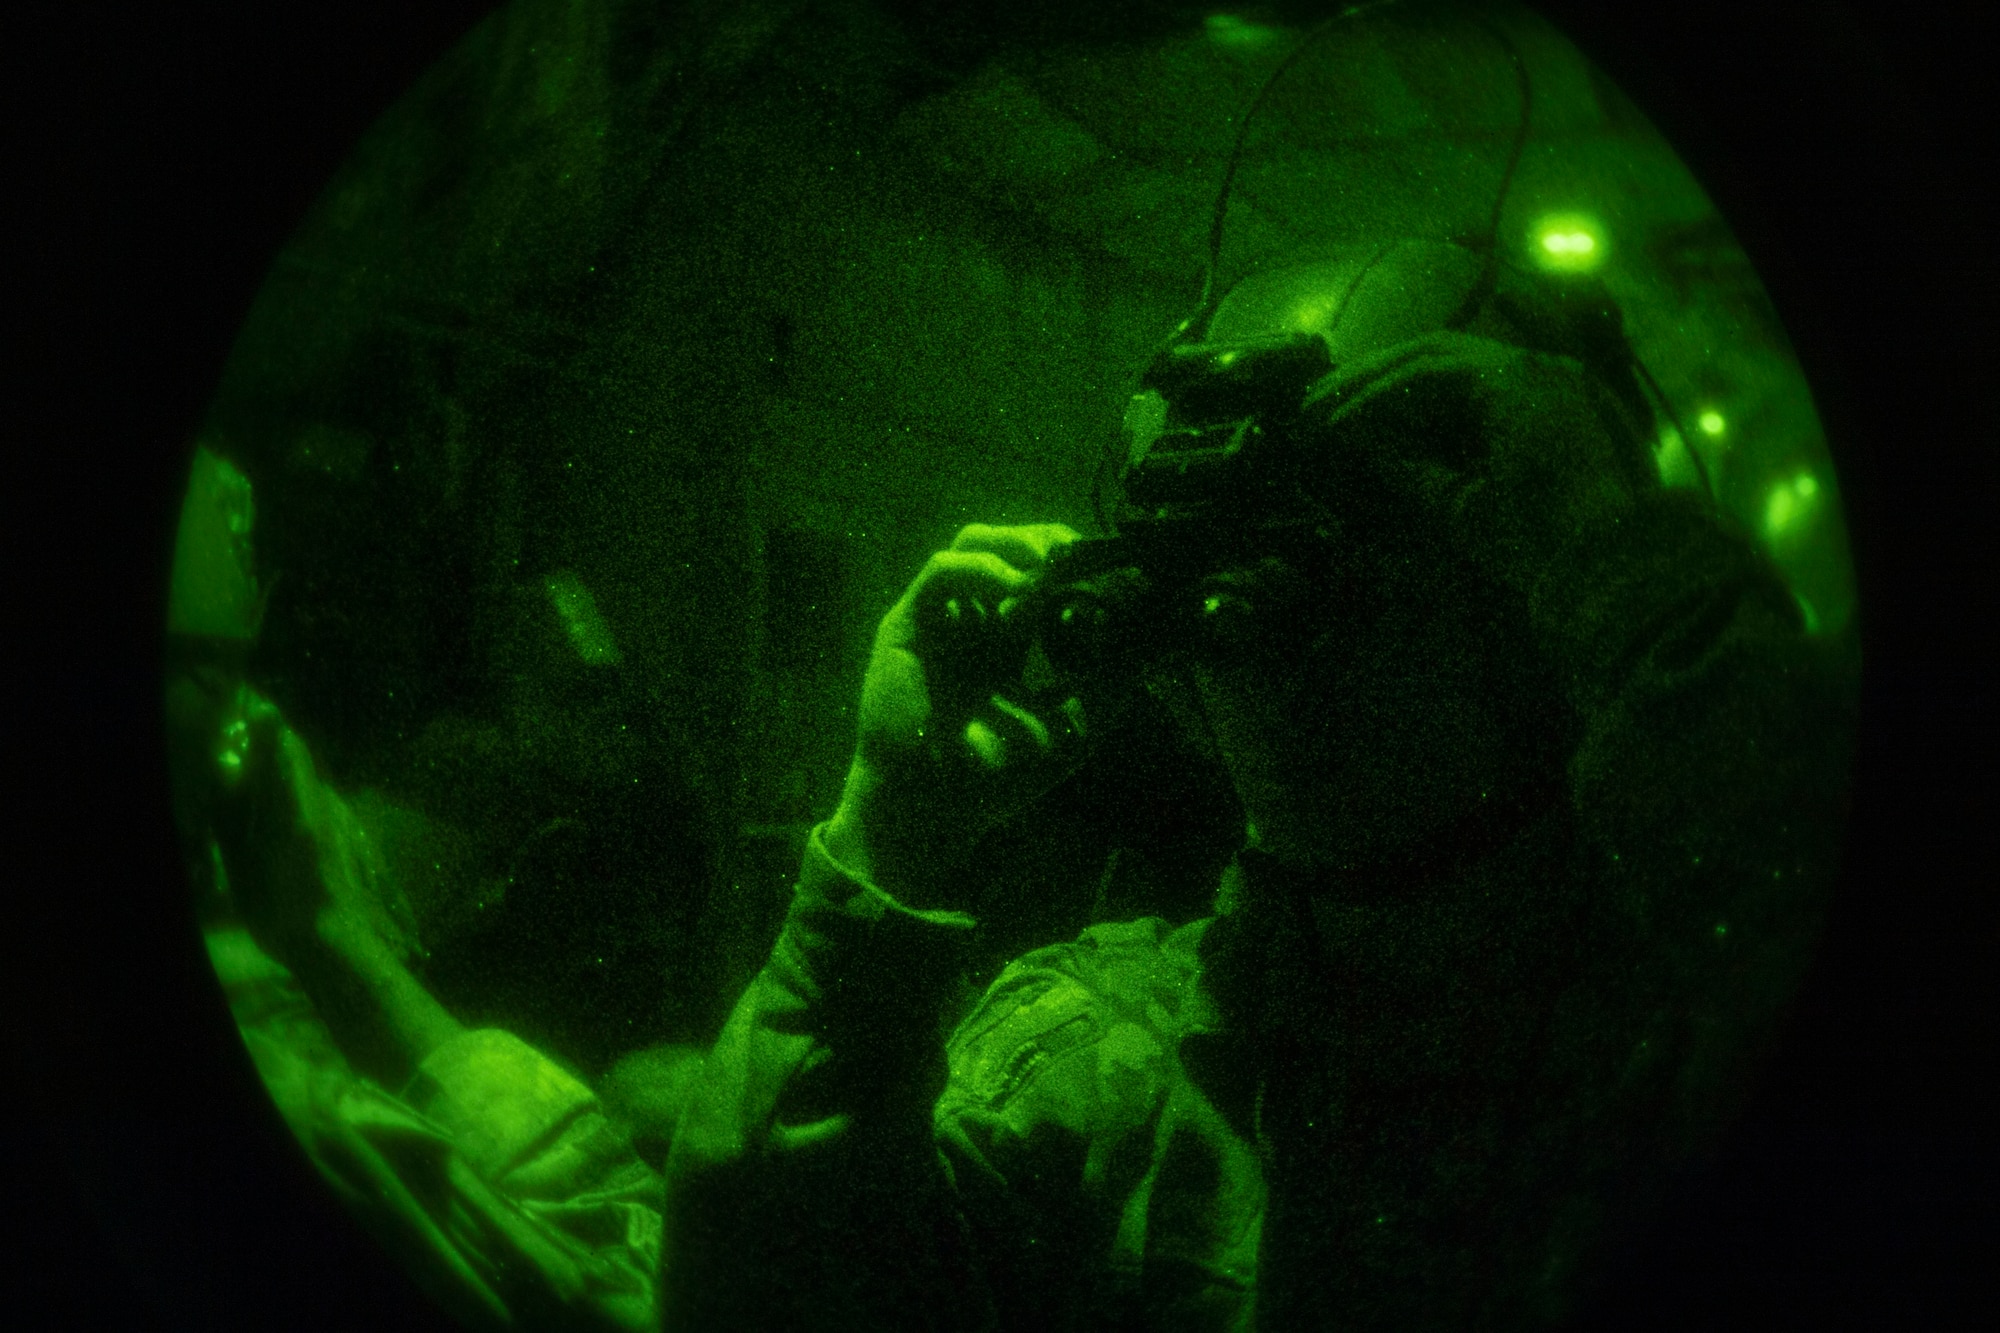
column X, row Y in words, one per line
column 1535, row 757
column 505, row 1183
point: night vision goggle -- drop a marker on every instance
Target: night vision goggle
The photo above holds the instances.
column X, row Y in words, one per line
column 1208, row 480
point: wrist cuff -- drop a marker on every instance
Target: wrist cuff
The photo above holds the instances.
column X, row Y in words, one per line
column 843, row 891
column 860, row 959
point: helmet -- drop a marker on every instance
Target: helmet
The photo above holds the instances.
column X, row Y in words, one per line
column 1212, row 434
column 1246, row 440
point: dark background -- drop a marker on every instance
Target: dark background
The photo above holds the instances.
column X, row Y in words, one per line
column 168, row 151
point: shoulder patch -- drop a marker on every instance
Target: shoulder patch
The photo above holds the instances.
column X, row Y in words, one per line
column 1115, row 988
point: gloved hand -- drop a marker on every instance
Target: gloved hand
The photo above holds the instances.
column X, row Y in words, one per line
column 302, row 869
column 943, row 756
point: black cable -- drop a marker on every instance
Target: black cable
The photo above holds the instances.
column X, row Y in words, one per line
column 1216, row 222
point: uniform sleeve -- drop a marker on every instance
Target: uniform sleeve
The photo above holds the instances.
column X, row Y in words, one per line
column 496, row 1178
column 806, row 1190
column 1098, row 1183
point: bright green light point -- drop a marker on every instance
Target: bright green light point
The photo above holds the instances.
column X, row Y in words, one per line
column 1806, row 484
column 1568, row 243
column 1711, row 423
column 1721, row 929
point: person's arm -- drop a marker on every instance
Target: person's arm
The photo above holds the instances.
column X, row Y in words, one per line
column 805, row 1187
column 494, row 1176
column 494, row 1173
column 314, row 891
column 383, row 994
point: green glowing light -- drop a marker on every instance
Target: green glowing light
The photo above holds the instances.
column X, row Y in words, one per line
column 1311, row 316
column 1778, row 510
column 214, row 591
column 1711, row 423
column 1568, row 243
column 1237, row 34
column 1721, row 929
column 986, row 743
column 1789, row 503
column 588, row 633
column 1671, row 455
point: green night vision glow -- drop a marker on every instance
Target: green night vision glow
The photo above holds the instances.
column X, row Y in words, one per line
column 1568, row 243
column 588, row 633
column 1789, row 504
column 1311, row 317
column 214, row 592
column 558, row 868
column 1238, row 34
column 1675, row 458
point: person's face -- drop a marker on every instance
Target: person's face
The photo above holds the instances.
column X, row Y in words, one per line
column 1263, row 705
column 1364, row 724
